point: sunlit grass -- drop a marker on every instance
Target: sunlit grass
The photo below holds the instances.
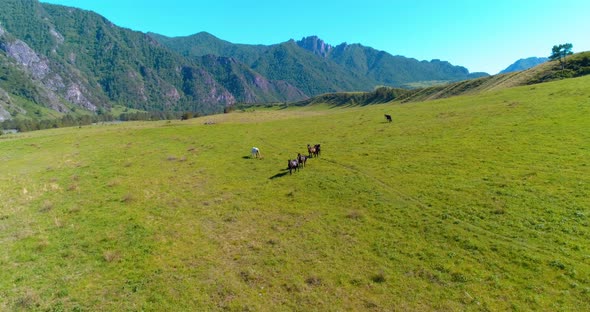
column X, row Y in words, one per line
column 468, row 203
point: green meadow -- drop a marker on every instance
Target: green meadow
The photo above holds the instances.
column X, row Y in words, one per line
column 478, row 203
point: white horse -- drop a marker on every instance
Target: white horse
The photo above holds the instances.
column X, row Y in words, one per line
column 255, row 152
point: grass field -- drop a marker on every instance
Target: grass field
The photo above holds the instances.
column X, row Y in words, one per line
column 475, row 203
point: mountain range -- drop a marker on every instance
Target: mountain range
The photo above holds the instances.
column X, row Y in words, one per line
column 56, row 60
column 524, row 64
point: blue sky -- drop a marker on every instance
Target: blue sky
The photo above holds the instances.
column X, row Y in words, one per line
column 480, row 35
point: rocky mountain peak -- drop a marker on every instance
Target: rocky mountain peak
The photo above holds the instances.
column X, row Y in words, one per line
column 315, row 45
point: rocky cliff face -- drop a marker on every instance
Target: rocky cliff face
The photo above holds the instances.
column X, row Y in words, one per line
column 84, row 61
column 248, row 86
column 52, row 87
column 27, row 58
column 4, row 104
column 315, row 45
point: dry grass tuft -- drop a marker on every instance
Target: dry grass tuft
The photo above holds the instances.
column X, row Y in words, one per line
column 28, row 300
column 113, row 182
column 127, row 198
column 74, row 209
column 111, row 256
column 58, row 223
column 42, row 245
column 313, row 281
column 355, row 215
column 46, row 206
column 379, row 278
column 499, row 211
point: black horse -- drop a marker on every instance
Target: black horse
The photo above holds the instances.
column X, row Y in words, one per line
column 301, row 159
column 293, row 165
column 317, row 150
column 388, row 117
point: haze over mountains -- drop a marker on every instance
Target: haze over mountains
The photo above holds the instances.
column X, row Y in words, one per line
column 61, row 59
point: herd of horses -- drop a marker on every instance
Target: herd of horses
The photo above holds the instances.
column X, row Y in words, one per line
column 299, row 162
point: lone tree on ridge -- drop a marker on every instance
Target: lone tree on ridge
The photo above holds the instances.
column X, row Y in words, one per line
column 560, row 52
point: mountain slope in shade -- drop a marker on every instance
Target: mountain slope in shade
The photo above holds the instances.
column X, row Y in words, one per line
column 524, row 64
column 248, row 85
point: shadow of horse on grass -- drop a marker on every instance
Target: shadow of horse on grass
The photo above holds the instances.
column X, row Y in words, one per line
column 280, row 174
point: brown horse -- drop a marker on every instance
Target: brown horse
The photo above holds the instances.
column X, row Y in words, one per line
column 388, row 117
column 311, row 150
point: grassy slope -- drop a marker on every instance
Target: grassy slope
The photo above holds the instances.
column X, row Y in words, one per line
column 474, row 202
column 578, row 65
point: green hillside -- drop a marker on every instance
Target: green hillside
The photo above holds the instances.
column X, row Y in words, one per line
column 311, row 74
column 396, row 71
column 577, row 65
column 62, row 61
column 203, row 44
column 467, row 203
column 248, row 85
column 66, row 59
column 316, row 67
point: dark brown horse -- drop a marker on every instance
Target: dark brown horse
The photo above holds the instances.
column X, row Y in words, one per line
column 317, row 150
column 388, row 117
column 293, row 165
column 301, row 159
